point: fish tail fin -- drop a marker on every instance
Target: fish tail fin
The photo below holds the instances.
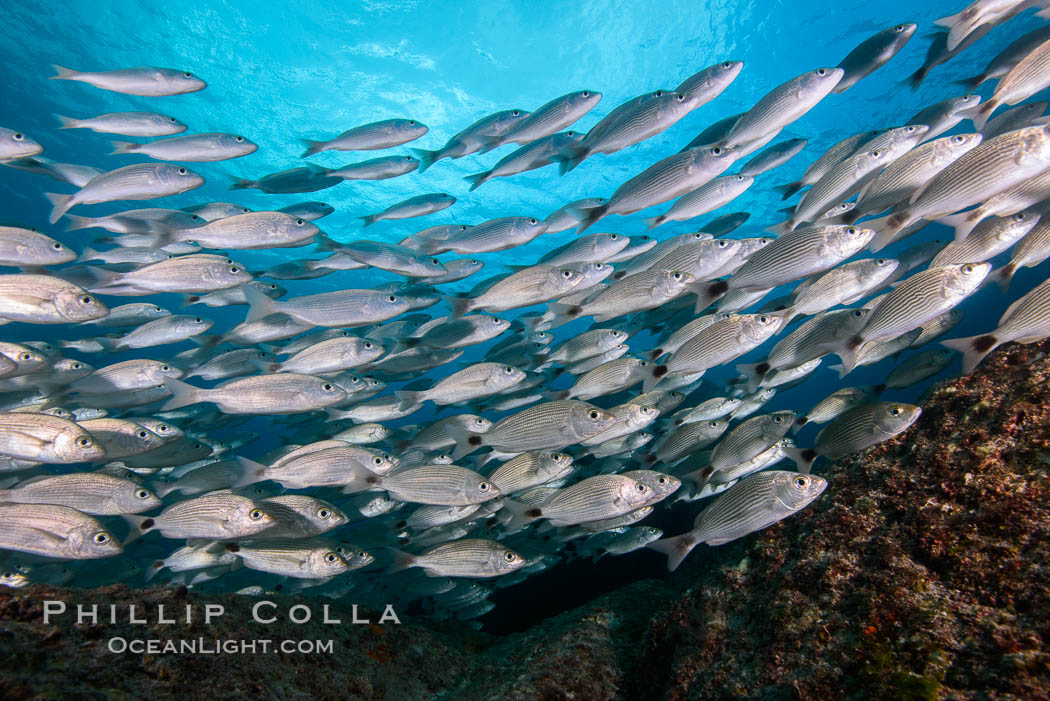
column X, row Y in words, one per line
column 798, row 424
column 1003, row 276
column 886, row 230
column 62, row 73
column 242, row 183
column 840, row 369
column 963, row 223
column 521, row 515
column 972, row 82
column 653, row 222
column 67, row 122
column 75, row 222
column 140, row 525
column 259, row 305
column 476, row 180
column 325, row 244
column 251, row 472
column 466, row 442
column 564, row 313
column 707, row 293
column 402, row 560
column 592, row 216
column 789, row 189
column 654, row 377
column 426, row 158
column 154, row 569
column 875, row 389
column 123, row 147
column 369, row 220
column 755, row 372
column 980, row 114
column 312, row 147
column 656, row 353
column 409, row 398
column 803, row 458
column 948, row 21
column 89, row 254
column 460, row 305
column 915, row 79
column 569, row 159
column 182, row 394
column 676, row 549
column 973, row 348
column 60, row 204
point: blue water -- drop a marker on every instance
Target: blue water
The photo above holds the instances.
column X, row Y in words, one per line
column 277, row 73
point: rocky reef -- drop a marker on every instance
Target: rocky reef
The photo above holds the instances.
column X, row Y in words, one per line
column 922, row 573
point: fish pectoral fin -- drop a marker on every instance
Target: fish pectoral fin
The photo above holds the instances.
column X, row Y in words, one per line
column 48, row 537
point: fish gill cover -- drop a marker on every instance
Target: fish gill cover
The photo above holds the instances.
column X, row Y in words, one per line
column 439, row 306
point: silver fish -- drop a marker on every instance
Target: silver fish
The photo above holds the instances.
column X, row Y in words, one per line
column 873, row 53
column 127, row 124
column 417, row 206
column 146, row 82
column 753, row 503
column 89, row 492
column 42, row 299
column 377, row 135
column 142, row 181
column 783, row 105
column 469, row 557
column 195, row 148
column 55, row 531
column 1024, row 321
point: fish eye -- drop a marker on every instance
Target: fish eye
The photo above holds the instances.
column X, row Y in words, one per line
column 76, row 365
column 86, row 300
column 515, row 113
column 84, row 442
column 272, row 286
column 411, row 122
column 57, row 246
column 661, row 480
column 876, row 154
column 899, row 28
column 171, row 119
column 197, row 320
column 778, row 419
column 676, row 276
column 255, row 514
column 18, row 137
column 801, row 481
column 852, row 231
column 910, row 129
column 162, row 428
column 298, row 222
column 475, row 262
column 958, row 139
column 165, row 368
column 508, row 369
column 822, row 72
column 323, row 513
column 509, row 556
column 679, row 96
column 857, row 313
column 763, row 319
column 368, row 345
column 532, row 220
column 391, row 298
column 566, row 274
column 967, row 268
column 142, row 494
column 142, row 434
column 25, row 356
column 188, row 74
column 586, row 93
column 722, row 243
column 594, row 415
column 727, row 65
column 716, row 151
column 880, row 261
column 101, row 538
column 239, row 139
column 234, row 269
column 483, row 486
column 613, row 237
column 642, row 489
column 895, row 411
column 1019, row 217
column 327, row 387
column 182, row 171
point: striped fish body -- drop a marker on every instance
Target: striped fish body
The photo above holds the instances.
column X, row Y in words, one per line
column 670, row 178
column 799, row 254
column 750, row 438
column 609, row 378
column 754, row 503
column 548, row 426
column 723, row 341
column 448, row 485
column 864, row 426
column 55, row 531
column 690, row 438
column 593, row 499
column 783, row 105
column 216, row 516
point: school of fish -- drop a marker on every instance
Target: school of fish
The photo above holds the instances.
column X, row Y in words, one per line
column 131, row 469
